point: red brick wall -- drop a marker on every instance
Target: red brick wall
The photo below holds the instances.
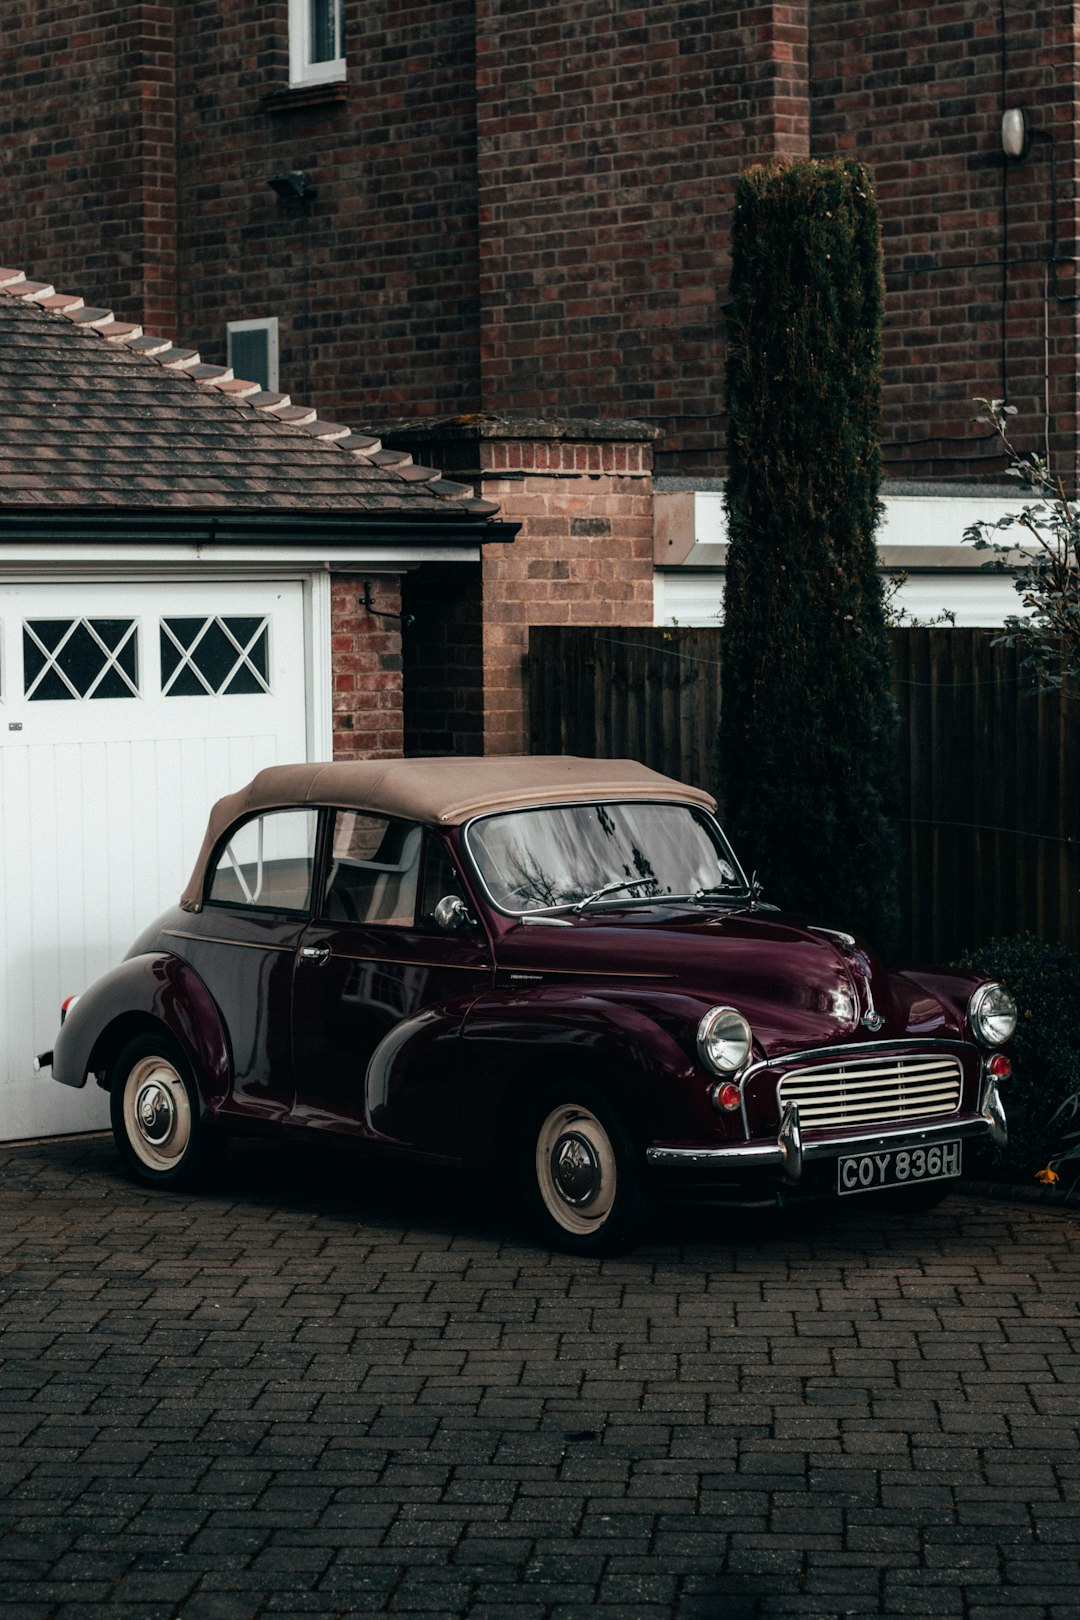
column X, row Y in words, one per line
column 87, row 141
column 367, row 698
column 526, row 206
column 918, row 93
column 374, row 287
column 583, row 556
column 610, row 137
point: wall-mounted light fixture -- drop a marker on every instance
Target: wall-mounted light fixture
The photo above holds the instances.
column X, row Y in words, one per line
column 295, row 185
column 1016, row 133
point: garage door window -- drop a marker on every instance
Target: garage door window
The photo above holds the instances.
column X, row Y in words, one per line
column 68, row 659
column 214, row 656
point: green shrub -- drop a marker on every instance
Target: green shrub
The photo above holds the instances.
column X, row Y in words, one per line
column 808, row 722
column 1042, row 1098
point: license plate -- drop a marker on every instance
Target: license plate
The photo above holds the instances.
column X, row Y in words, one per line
column 866, row 1172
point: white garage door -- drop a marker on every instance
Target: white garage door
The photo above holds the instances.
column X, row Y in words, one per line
column 125, row 710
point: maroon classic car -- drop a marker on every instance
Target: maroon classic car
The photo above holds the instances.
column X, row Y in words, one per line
column 550, row 964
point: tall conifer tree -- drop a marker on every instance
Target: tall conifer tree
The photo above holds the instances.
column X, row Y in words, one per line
column 807, row 734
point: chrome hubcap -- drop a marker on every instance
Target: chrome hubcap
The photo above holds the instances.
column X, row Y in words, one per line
column 155, row 1113
column 575, row 1170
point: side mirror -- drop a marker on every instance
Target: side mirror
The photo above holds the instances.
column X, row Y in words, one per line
column 451, row 913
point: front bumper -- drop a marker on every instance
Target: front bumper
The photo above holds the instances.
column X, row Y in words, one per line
column 791, row 1150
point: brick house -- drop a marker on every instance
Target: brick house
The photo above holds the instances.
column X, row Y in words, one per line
column 504, row 229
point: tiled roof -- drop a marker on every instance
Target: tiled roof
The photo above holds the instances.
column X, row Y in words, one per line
column 94, row 413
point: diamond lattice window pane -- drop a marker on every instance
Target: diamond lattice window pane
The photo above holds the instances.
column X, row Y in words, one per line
column 68, row 659
column 215, row 656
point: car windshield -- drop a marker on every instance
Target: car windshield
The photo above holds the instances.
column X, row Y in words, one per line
column 532, row 860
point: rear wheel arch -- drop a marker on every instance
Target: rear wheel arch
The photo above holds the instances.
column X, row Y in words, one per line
column 127, row 1028
column 158, row 991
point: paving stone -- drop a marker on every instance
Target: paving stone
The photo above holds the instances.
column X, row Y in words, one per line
column 277, row 1400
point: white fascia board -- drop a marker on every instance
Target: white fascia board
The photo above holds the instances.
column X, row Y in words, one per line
column 52, row 557
column 695, row 596
column 916, row 533
column 921, row 535
column 938, row 521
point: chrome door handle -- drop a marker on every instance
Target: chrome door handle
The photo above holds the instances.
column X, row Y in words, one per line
column 317, row 955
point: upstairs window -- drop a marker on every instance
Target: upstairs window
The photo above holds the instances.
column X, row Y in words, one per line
column 316, row 41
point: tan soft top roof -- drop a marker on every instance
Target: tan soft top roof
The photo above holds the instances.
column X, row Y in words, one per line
column 444, row 792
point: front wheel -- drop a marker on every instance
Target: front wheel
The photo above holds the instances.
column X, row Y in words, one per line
column 154, row 1106
column 581, row 1174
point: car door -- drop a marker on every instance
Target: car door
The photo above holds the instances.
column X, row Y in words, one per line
column 380, row 990
column 243, row 944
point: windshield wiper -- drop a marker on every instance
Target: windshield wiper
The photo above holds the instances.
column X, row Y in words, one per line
column 719, row 888
column 609, row 888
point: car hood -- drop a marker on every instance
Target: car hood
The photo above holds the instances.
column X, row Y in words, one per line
column 798, row 985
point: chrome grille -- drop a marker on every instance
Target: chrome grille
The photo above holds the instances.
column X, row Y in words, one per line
column 867, row 1089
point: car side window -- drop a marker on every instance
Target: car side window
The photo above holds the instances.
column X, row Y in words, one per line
column 441, row 878
column 374, row 870
column 267, row 863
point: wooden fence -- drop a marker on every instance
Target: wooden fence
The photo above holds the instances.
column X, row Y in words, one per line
column 989, row 769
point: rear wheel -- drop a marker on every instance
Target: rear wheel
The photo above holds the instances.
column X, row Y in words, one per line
column 582, row 1173
column 154, row 1107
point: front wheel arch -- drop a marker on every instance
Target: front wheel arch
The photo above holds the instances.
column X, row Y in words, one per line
column 534, row 1076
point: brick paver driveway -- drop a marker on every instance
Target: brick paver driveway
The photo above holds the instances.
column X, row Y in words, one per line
column 317, row 1393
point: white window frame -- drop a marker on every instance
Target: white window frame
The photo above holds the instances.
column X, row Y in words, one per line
column 262, row 323
column 302, row 70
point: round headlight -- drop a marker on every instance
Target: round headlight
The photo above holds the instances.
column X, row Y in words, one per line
column 992, row 1015
column 724, row 1040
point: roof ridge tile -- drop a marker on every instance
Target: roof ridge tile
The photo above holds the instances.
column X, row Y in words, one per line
column 267, row 400
column 236, row 387
column 450, row 488
column 174, row 359
column 34, row 290
column 119, row 331
column 360, row 444
column 324, row 431
column 148, row 345
column 293, row 414
column 85, row 315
